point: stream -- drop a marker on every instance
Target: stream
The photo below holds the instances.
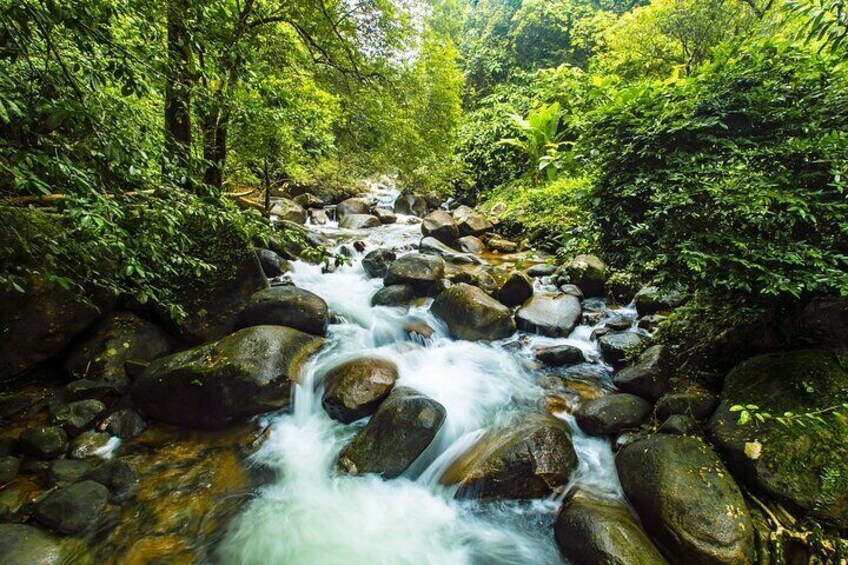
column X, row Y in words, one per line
column 308, row 514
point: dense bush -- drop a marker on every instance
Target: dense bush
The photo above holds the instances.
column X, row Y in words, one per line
column 733, row 180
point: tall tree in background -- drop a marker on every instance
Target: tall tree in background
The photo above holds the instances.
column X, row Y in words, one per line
column 178, row 87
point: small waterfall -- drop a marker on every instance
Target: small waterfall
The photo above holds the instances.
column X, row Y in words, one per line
column 313, row 516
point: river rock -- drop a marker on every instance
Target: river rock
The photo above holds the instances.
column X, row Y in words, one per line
column 530, row 459
column 648, row 377
column 653, row 299
column 121, row 337
column 45, row 443
column 124, row 423
column 434, row 246
column 393, row 295
column 587, row 272
column 616, row 346
column 318, row 217
column 593, row 531
column 501, row 245
column 398, row 432
column 385, row 216
column 680, row 424
column 287, row 306
column 470, row 244
column 351, row 206
column 478, row 277
column 215, row 384
column 377, row 262
column 356, row 388
column 559, row 355
column 474, row 223
column 612, row 414
column 288, row 210
column 40, row 323
column 687, row 500
column 118, row 476
column 440, row 225
column 473, row 315
column 75, row 509
column 803, row 466
column 516, row 289
column 418, row 270
column 541, row 270
column 550, row 316
column 308, row 200
column 687, row 398
column 27, row 545
column 88, row 444
column 272, row 264
column 573, row 290
column 410, row 205
column 9, row 466
column 78, row 416
column 67, row 471
column 358, row 221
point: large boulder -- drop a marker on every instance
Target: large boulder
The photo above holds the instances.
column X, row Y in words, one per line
column 215, row 384
column 121, row 337
column 589, row 273
column 393, row 295
column 359, row 221
column 612, row 414
column 287, row 306
column 472, row 314
column 385, row 215
column 474, row 223
column 76, row 417
column 501, row 245
column 440, row 225
column 356, row 388
column 802, row 464
column 688, row 398
column 516, row 289
column 653, row 299
column 591, row 531
column 377, row 262
column 39, row 323
column 617, row 346
column 272, row 264
column 418, row 270
column 550, row 316
column 398, row 432
column 559, row 355
column 351, row 206
column 530, row 459
column 318, row 217
column 213, row 303
column 687, row 500
column 410, row 205
column 75, row 509
column 434, row 246
column 648, row 377
column 289, row 210
column 28, row 545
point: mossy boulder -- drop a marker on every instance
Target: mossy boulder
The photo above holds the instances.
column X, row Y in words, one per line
column 591, row 531
column 516, row 289
column 215, row 384
column 287, row 306
column 648, row 377
column 531, row 458
column 45, row 443
column 612, row 414
column 359, row 221
column 41, row 322
column 472, row 314
column 805, row 463
column 377, row 262
column 75, row 509
column 213, row 303
column 398, row 432
column 121, row 337
column 687, row 500
column 410, row 205
column 440, row 225
column 351, row 206
column 290, row 210
column 618, row 345
column 588, row 272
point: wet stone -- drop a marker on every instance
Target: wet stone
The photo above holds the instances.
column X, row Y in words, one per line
column 44, row 443
column 75, row 509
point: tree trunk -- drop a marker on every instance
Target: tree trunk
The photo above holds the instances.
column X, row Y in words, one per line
column 178, row 97
column 215, row 127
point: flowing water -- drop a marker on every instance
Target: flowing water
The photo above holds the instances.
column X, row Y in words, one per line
column 312, row 516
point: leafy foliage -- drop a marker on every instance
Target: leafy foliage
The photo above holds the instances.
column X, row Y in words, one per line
column 733, row 180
